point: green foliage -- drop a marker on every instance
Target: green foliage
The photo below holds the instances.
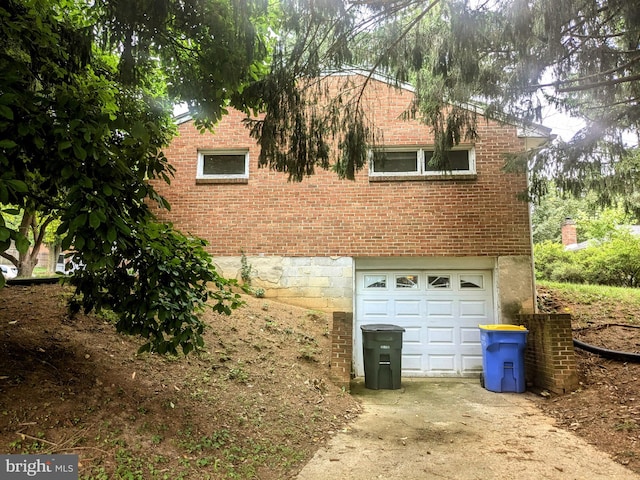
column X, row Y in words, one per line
column 84, row 115
column 156, row 284
column 603, row 223
column 239, row 374
column 515, row 58
column 217, row 440
column 614, row 262
column 593, row 221
column 548, row 215
column 589, row 294
column 549, row 257
column 245, row 270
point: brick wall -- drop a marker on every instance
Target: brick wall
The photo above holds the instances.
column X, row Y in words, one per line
column 549, row 356
column 342, row 348
column 325, row 216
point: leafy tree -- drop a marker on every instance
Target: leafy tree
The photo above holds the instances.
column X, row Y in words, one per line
column 36, row 227
column 593, row 221
column 614, row 261
column 548, row 215
column 86, row 93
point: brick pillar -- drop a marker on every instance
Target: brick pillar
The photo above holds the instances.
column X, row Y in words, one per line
column 342, row 348
column 550, row 361
column 569, row 232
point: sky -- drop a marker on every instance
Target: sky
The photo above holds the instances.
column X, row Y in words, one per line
column 561, row 124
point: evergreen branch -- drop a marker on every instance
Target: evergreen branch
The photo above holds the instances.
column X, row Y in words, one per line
column 396, row 41
column 606, row 83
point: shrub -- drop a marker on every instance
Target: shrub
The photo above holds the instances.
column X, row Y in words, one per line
column 569, row 273
column 614, row 262
column 550, row 257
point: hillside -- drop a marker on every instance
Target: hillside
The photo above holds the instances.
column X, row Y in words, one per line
column 606, row 409
column 256, row 404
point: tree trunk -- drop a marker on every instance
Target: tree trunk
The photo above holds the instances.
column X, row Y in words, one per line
column 30, row 227
column 54, row 251
column 26, row 264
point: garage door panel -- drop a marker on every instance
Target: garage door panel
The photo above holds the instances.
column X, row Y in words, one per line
column 440, row 336
column 375, row 308
column 471, row 363
column 412, row 363
column 407, row 308
column 440, row 308
column 441, row 363
column 412, row 335
column 473, row 308
column 470, row 336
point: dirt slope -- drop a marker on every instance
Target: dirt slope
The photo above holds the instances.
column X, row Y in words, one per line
column 606, row 409
column 256, row 405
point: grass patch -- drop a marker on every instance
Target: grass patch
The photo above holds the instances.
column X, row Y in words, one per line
column 588, row 294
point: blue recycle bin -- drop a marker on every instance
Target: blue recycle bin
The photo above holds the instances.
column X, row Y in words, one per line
column 503, row 357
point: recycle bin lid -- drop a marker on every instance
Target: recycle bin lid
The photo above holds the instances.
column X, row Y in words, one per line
column 381, row 327
column 503, row 327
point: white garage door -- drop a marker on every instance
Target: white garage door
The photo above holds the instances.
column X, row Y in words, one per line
column 440, row 312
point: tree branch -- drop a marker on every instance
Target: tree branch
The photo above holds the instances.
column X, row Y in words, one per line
column 397, row 40
column 9, row 257
column 606, row 83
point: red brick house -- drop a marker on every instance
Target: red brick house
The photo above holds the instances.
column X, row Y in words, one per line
column 435, row 253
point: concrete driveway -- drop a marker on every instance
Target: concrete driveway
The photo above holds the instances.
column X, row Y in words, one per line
column 455, row 429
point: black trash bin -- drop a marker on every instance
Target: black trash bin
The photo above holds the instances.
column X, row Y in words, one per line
column 382, row 348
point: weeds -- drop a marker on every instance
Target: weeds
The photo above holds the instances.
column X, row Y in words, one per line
column 246, row 270
column 627, row 426
column 308, row 353
column 238, row 374
column 215, row 441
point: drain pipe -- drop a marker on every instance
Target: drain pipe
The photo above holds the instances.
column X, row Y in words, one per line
column 606, row 353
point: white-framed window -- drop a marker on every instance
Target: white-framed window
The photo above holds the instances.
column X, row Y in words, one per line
column 407, row 281
column 412, row 161
column 438, row 282
column 375, row 281
column 471, row 281
column 223, row 164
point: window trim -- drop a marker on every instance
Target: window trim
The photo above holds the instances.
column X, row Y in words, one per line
column 422, row 172
column 233, row 176
column 472, row 163
column 419, row 158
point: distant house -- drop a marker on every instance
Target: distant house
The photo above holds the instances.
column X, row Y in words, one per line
column 435, row 253
column 569, row 233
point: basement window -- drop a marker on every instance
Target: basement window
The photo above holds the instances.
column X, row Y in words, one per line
column 417, row 163
column 227, row 165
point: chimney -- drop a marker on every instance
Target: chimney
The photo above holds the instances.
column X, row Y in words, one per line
column 569, row 232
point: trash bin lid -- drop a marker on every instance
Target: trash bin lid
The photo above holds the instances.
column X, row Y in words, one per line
column 381, row 327
column 503, row 327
